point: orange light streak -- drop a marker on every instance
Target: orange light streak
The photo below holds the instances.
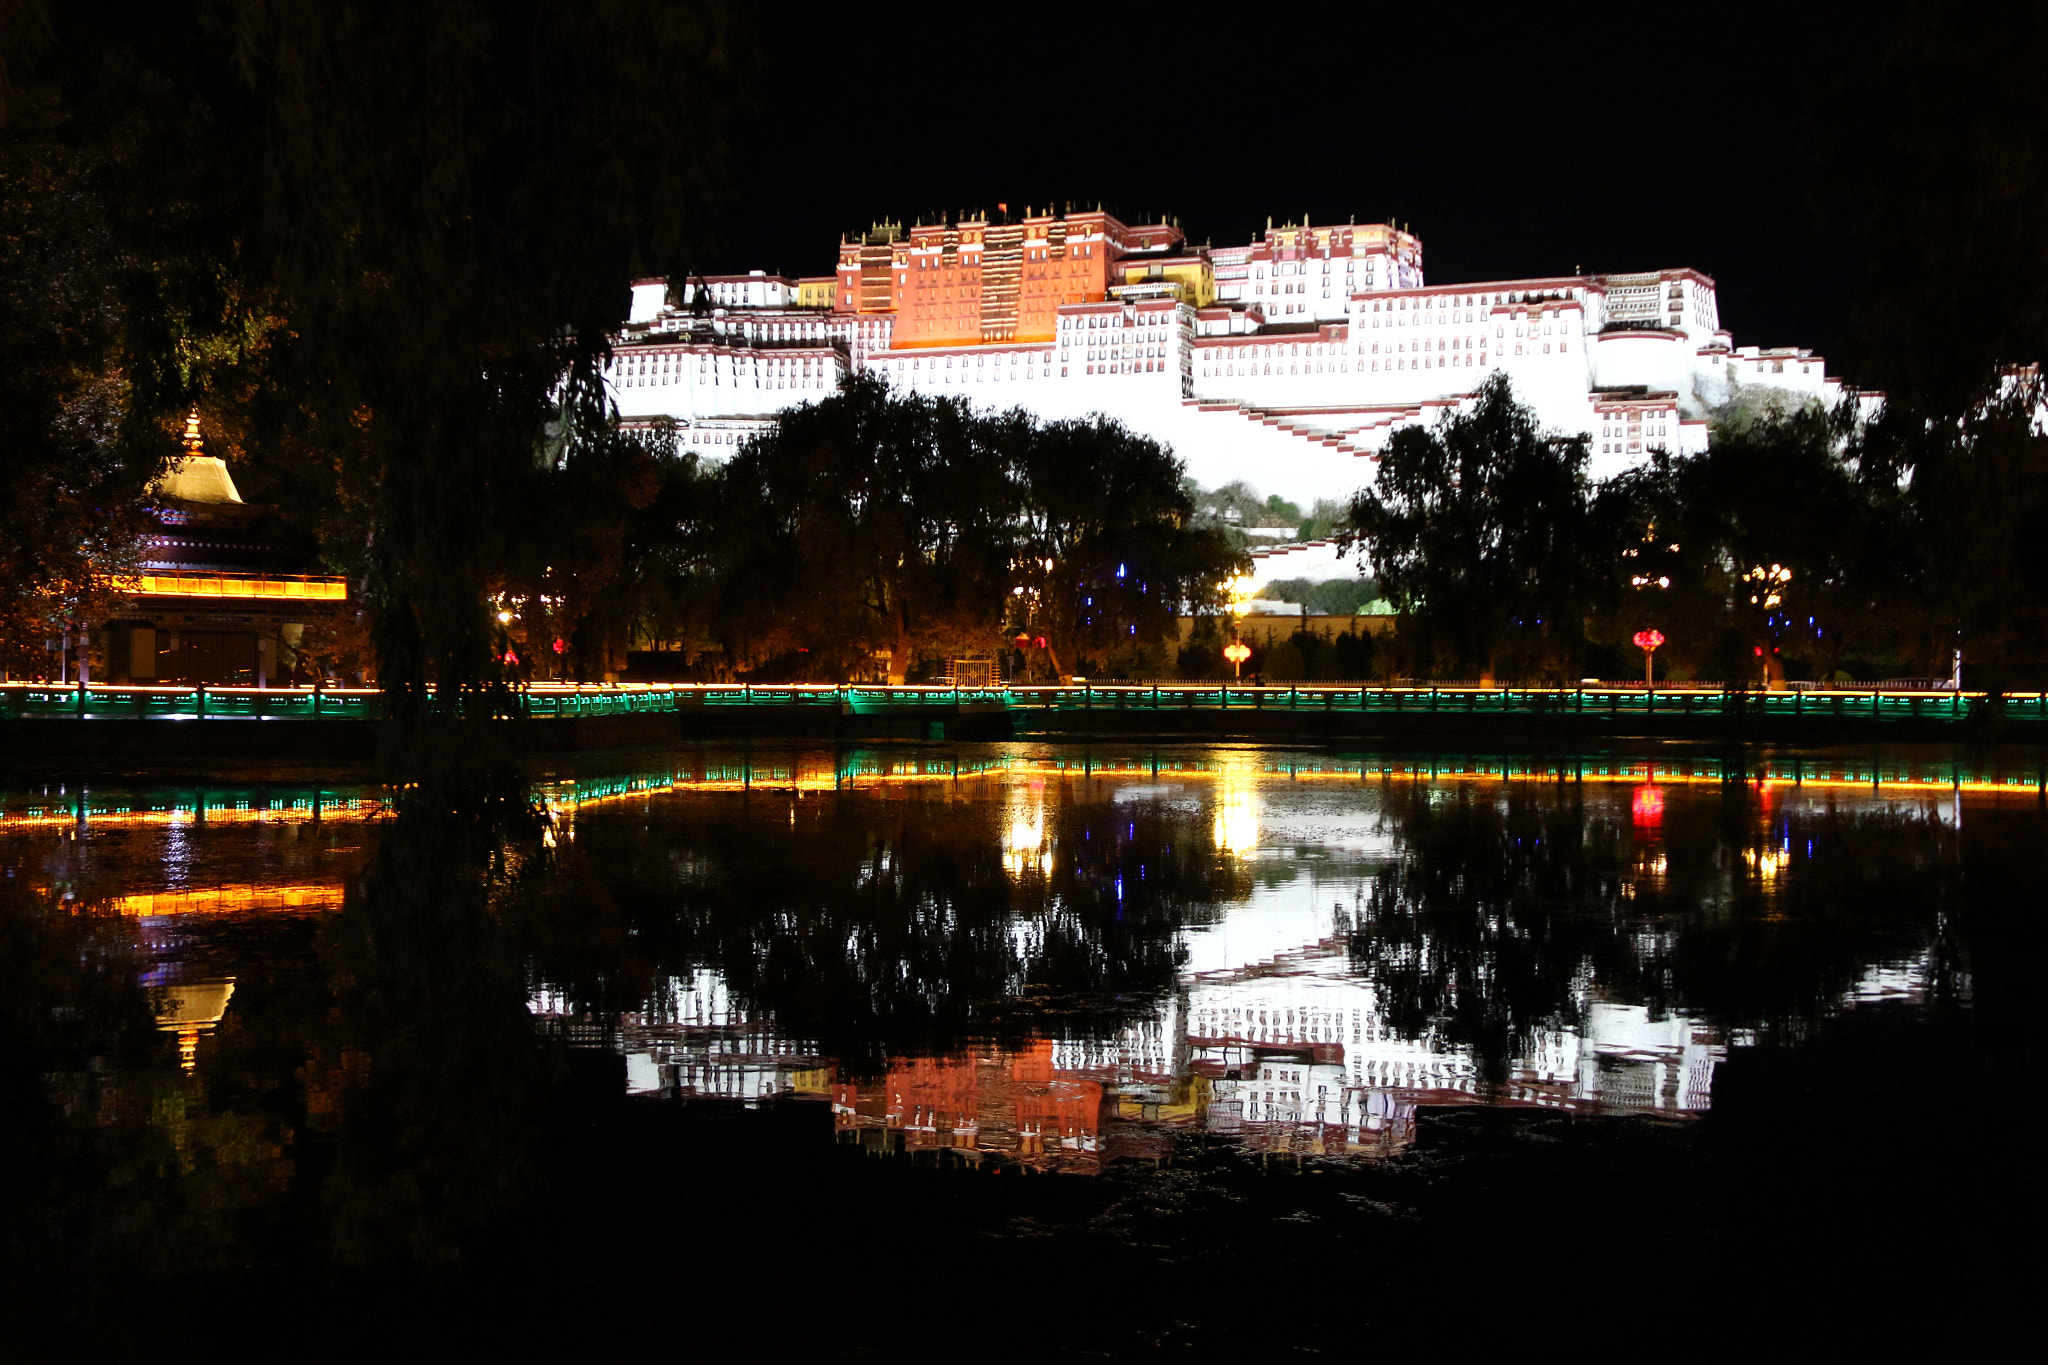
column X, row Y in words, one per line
column 233, row 898
column 296, row 587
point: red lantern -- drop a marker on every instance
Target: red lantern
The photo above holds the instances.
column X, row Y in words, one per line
column 558, row 646
column 1647, row 641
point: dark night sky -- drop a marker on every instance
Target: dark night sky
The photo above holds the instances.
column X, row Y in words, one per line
column 1614, row 138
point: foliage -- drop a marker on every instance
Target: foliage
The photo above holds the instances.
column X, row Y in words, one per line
column 1324, row 520
column 1780, row 495
column 449, row 223
column 1331, row 597
column 1318, row 656
column 659, row 594
column 1107, row 549
column 83, row 421
column 1973, row 498
column 1933, row 167
column 1237, row 504
column 865, row 523
column 382, row 246
column 571, row 516
column 1480, row 529
column 1933, row 170
column 1890, row 544
column 881, row 523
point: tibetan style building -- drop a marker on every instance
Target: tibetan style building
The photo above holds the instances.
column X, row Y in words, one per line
column 225, row 591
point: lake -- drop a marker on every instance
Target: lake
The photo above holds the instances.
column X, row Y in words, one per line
column 1028, row 1051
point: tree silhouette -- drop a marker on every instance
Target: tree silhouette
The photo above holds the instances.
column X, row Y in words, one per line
column 1480, row 530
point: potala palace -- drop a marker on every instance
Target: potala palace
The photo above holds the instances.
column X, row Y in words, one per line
column 1285, row 363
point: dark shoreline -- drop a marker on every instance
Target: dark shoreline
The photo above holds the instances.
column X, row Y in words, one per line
column 35, row 744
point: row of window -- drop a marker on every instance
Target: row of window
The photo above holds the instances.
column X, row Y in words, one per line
column 717, row 380
column 1075, row 251
column 1299, row 267
column 1247, row 369
column 1431, row 303
column 1144, row 352
column 1097, row 321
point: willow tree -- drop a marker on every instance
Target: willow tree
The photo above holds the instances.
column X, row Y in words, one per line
column 118, row 300
column 382, row 245
column 453, row 198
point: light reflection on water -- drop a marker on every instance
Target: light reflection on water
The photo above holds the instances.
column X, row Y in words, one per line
column 1275, row 1028
column 1298, row 950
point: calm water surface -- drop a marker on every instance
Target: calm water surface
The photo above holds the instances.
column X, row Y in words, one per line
column 756, row 1025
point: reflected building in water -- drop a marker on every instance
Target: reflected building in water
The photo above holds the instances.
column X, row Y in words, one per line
column 983, row 1104
column 1299, row 1055
column 693, row 1040
column 1274, row 1031
column 1290, row 1053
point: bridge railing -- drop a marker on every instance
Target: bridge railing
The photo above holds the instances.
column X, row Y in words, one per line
column 118, row 701
column 1608, row 702
column 121, row 701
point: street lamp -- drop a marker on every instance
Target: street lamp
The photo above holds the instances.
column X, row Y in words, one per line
column 1770, row 585
column 1237, row 651
column 1647, row 641
column 1238, row 591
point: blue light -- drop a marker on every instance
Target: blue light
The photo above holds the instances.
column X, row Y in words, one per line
column 1119, row 571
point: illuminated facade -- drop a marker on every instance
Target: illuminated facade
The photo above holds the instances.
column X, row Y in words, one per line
column 1285, row 362
column 221, row 593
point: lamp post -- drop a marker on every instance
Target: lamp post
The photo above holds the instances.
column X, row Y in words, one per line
column 1647, row 641
column 1237, row 592
column 1767, row 593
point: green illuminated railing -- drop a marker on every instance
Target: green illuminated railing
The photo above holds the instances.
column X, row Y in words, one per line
column 114, row 702
column 99, row 701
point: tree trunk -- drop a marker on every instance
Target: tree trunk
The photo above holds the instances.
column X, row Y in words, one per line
column 1774, row 671
column 899, row 652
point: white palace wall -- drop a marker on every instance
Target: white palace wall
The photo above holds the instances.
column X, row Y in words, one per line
column 1300, row 408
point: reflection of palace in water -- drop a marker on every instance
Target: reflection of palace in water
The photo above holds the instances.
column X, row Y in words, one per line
column 1274, row 1033
column 1291, row 1054
column 692, row 1040
column 1300, row 1056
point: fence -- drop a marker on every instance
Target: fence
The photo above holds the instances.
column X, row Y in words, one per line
column 104, row 701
